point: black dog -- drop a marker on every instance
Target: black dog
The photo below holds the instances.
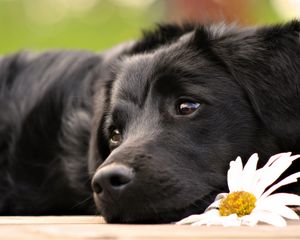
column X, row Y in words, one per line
column 154, row 122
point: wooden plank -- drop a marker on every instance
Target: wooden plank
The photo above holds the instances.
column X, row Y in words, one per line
column 67, row 228
column 52, row 220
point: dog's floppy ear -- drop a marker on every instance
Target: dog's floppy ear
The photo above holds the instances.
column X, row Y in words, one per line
column 266, row 63
column 98, row 147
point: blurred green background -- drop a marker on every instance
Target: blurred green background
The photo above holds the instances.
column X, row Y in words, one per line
column 99, row 24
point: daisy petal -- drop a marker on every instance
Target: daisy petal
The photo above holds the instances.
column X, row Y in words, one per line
column 276, row 157
column 270, row 218
column 249, row 173
column 283, row 199
column 217, row 201
column 249, row 220
column 201, row 222
column 273, row 172
column 277, row 207
column 228, row 221
column 199, row 217
column 190, row 219
column 290, row 179
column 212, row 220
column 214, row 205
column 231, row 221
column 261, row 172
column 234, row 174
column 287, row 212
column 221, row 196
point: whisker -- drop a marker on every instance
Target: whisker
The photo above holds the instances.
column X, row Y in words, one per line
column 82, row 202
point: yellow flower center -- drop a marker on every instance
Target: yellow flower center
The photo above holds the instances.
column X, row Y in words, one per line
column 241, row 203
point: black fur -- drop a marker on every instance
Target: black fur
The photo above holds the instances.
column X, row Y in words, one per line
column 45, row 120
column 58, row 110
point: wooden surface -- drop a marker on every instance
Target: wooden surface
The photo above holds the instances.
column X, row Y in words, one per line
column 92, row 227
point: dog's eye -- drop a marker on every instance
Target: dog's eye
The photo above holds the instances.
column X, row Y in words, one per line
column 115, row 137
column 187, row 107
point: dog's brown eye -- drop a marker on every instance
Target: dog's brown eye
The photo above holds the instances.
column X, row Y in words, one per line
column 187, row 107
column 115, row 137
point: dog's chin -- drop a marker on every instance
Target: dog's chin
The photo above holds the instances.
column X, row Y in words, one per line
column 169, row 216
column 149, row 217
column 136, row 215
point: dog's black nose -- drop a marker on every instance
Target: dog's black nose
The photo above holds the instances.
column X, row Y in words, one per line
column 112, row 178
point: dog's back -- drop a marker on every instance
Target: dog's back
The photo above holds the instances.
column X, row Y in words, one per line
column 44, row 131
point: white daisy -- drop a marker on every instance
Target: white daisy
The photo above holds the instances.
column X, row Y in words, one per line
column 249, row 200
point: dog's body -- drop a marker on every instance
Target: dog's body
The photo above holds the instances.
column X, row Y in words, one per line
column 164, row 116
column 45, row 121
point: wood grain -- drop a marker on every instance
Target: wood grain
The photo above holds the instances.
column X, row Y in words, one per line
column 93, row 227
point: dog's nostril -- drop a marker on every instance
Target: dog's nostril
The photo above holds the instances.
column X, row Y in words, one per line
column 96, row 187
column 112, row 178
column 119, row 180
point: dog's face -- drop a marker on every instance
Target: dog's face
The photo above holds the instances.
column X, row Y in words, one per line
column 167, row 125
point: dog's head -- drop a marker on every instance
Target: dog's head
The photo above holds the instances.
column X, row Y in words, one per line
column 182, row 103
